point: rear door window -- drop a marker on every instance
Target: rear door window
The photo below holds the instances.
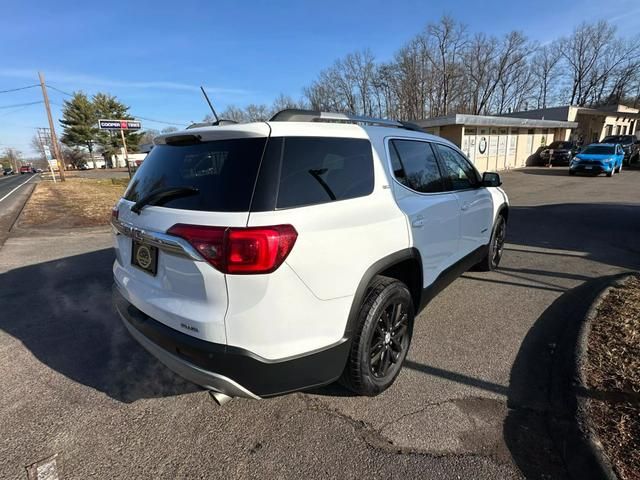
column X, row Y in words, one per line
column 415, row 166
column 457, row 171
column 320, row 170
column 223, row 171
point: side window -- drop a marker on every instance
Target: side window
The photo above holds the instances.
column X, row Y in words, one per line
column 457, row 170
column 415, row 165
column 321, row 170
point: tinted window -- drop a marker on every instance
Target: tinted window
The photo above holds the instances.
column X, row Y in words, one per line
column 319, row 170
column 457, row 170
column 223, row 171
column 598, row 150
column 415, row 165
column 561, row 145
column 619, row 139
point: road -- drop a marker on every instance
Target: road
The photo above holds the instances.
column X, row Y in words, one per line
column 14, row 192
column 472, row 401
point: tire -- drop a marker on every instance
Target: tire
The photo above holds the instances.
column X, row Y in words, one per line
column 571, row 172
column 377, row 353
column 496, row 246
column 610, row 174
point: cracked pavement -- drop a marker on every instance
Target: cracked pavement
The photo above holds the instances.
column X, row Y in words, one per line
column 470, row 402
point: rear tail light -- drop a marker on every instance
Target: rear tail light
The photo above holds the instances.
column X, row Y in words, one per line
column 114, row 213
column 248, row 250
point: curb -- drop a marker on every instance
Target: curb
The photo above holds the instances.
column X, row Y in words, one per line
column 570, row 426
column 591, row 437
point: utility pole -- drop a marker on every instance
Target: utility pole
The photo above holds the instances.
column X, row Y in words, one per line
column 54, row 141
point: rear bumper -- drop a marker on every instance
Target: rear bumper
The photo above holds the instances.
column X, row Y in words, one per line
column 230, row 370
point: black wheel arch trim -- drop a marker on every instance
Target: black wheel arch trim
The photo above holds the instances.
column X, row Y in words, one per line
column 504, row 211
column 376, row 269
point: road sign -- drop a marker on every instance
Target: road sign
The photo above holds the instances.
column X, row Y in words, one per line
column 47, row 152
column 119, row 125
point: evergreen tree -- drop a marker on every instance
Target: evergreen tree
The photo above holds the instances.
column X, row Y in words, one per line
column 79, row 123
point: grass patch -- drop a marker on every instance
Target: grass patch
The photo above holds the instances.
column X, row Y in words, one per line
column 78, row 202
column 613, row 365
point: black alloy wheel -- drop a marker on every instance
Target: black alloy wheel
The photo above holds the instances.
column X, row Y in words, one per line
column 389, row 341
column 499, row 237
column 381, row 339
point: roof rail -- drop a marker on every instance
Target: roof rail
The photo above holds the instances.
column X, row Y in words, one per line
column 297, row 115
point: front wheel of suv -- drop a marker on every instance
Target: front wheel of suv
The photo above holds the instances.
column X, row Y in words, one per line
column 382, row 338
column 496, row 246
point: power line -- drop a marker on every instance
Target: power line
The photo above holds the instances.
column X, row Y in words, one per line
column 21, row 104
column 58, row 90
column 160, row 121
column 19, row 109
column 19, row 88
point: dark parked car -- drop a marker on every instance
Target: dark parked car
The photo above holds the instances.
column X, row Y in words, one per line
column 630, row 145
column 8, row 171
column 559, row 153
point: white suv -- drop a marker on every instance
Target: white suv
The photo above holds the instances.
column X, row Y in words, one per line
column 264, row 258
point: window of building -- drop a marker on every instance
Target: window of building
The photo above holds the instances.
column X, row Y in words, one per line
column 607, row 130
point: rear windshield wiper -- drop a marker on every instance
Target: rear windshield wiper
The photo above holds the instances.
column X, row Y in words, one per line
column 161, row 195
column 316, row 174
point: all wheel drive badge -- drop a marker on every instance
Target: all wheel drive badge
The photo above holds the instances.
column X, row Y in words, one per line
column 143, row 256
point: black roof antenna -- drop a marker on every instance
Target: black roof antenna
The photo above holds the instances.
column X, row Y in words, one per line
column 215, row 115
column 218, row 121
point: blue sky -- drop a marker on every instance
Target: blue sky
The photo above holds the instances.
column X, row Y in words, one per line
column 154, row 55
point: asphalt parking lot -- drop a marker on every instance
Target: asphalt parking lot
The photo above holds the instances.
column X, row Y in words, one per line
column 472, row 401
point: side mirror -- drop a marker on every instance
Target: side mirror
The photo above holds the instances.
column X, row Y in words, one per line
column 491, row 179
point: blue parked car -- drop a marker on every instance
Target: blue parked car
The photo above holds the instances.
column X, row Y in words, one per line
column 598, row 158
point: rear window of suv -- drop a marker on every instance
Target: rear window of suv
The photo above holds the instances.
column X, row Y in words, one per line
column 319, row 170
column 223, row 171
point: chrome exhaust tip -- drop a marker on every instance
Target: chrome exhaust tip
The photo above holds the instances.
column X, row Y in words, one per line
column 220, row 398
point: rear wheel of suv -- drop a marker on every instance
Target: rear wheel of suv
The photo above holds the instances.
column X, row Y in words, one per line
column 382, row 338
column 496, row 246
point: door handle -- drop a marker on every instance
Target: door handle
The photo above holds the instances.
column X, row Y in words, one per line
column 418, row 223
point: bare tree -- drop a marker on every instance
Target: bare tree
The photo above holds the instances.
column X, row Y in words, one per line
column 545, row 71
column 582, row 51
column 444, row 45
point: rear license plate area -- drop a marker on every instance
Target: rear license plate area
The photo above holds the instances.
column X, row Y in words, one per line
column 144, row 257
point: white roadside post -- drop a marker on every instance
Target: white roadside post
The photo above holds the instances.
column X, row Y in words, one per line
column 50, row 161
column 126, row 154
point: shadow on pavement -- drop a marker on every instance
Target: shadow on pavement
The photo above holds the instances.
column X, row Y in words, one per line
column 606, row 232
column 61, row 311
column 337, row 390
column 557, row 171
column 541, row 429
